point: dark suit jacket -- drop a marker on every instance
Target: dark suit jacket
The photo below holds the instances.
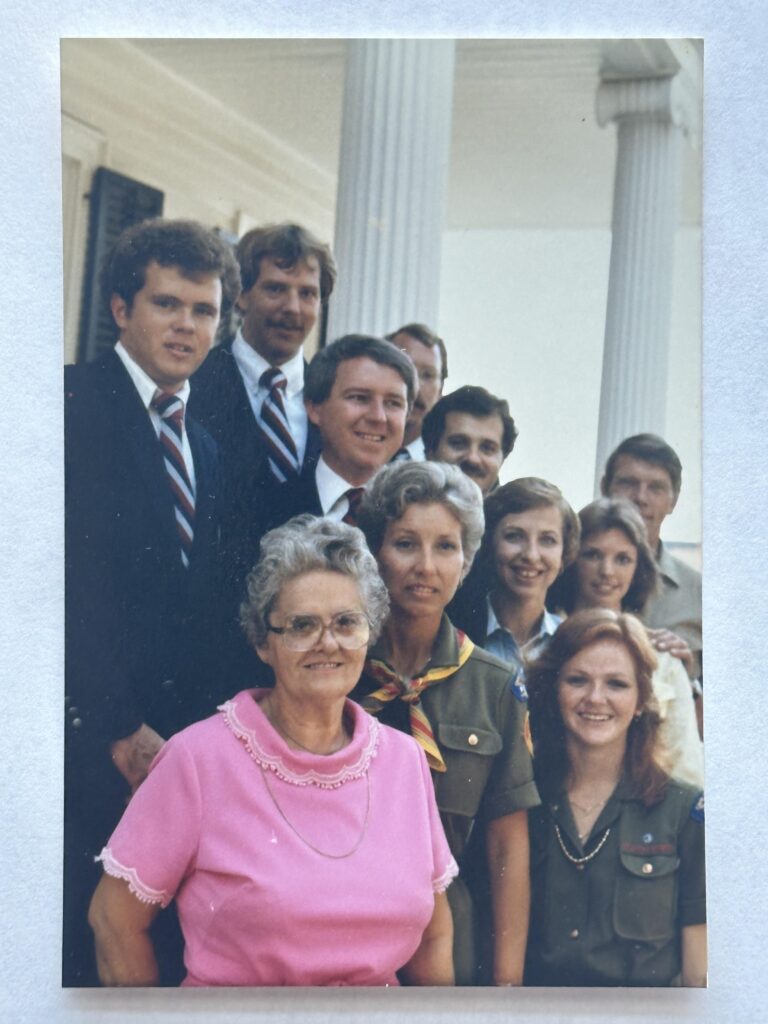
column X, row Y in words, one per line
column 145, row 640
column 219, row 401
column 295, row 497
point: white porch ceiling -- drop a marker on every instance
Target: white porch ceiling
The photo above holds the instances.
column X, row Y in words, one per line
column 526, row 148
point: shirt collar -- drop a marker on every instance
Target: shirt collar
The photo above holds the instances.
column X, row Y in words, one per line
column 549, row 623
column 330, row 486
column 416, row 450
column 146, row 387
column 445, row 650
column 252, row 366
column 667, row 566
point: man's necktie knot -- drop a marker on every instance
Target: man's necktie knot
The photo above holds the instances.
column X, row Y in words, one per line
column 170, row 408
column 354, row 496
column 273, row 378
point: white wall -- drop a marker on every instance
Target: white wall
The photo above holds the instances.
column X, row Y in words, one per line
column 523, row 313
column 212, row 164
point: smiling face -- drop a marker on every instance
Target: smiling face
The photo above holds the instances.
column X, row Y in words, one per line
column 280, row 309
column 362, row 420
column 327, row 672
column 605, row 569
column 528, row 553
column 474, row 444
column 428, row 363
column 421, row 560
column 649, row 487
column 171, row 324
column 598, row 696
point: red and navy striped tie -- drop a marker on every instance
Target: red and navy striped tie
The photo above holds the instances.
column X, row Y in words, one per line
column 273, row 425
column 170, row 408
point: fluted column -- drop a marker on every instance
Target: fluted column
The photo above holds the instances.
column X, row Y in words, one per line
column 652, row 116
column 393, row 175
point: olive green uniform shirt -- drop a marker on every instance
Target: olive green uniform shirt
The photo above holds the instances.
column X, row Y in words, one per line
column 617, row 918
column 478, row 717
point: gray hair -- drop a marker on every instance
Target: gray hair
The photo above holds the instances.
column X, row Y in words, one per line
column 309, row 544
column 400, row 484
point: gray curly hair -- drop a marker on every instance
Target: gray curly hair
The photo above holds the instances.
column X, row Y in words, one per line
column 401, row 484
column 310, row 544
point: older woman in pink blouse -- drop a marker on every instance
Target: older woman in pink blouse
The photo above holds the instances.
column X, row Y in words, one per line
column 298, row 836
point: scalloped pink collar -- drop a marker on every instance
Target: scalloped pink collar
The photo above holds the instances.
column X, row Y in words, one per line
column 268, row 749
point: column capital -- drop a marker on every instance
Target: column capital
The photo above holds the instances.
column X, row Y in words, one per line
column 665, row 99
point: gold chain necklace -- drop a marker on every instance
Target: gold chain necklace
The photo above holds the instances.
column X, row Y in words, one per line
column 587, row 810
column 278, row 726
column 292, row 827
column 588, row 857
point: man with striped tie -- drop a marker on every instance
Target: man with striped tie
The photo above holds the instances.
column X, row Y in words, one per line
column 143, row 561
column 359, row 391
column 249, row 392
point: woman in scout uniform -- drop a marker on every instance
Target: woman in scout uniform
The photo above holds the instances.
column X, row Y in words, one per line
column 617, row 848
column 423, row 521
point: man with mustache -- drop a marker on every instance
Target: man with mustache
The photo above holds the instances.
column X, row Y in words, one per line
column 472, row 429
column 249, row 393
column 428, row 355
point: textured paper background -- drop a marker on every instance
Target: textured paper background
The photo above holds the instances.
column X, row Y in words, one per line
column 31, row 624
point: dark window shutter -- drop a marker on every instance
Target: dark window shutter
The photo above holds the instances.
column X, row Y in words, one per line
column 116, row 203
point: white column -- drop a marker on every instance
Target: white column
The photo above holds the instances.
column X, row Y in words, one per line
column 652, row 118
column 393, row 175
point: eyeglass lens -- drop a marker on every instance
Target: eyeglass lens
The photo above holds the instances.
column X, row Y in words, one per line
column 350, row 630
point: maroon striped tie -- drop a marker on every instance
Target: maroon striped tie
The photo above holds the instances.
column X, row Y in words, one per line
column 354, row 496
column 273, row 426
column 170, row 408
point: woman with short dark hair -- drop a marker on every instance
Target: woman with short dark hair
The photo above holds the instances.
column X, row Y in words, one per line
column 531, row 535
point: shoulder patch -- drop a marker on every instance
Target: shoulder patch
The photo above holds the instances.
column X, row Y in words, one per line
column 697, row 810
column 518, row 687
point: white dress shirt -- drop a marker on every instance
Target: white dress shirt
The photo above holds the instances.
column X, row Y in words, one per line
column 331, row 489
column 251, row 366
column 147, row 389
column 416, row 450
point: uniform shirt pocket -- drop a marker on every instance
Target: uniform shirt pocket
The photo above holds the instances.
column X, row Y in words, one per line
column 469, row 753
column 645, row 903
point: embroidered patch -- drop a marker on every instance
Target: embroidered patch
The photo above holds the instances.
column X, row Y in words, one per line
column 518, row 688
column 644, row 849
column 697, row 811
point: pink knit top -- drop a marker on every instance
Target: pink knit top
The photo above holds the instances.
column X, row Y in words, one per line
column 288, row 868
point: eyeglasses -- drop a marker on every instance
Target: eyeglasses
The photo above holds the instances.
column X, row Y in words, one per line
column 351, row 630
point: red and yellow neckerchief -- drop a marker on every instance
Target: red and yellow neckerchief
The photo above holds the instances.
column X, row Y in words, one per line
column 410, row 691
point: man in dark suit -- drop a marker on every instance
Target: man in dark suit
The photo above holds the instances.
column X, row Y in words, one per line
column 144, row 568
column 358, row 392
column 287, row 275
